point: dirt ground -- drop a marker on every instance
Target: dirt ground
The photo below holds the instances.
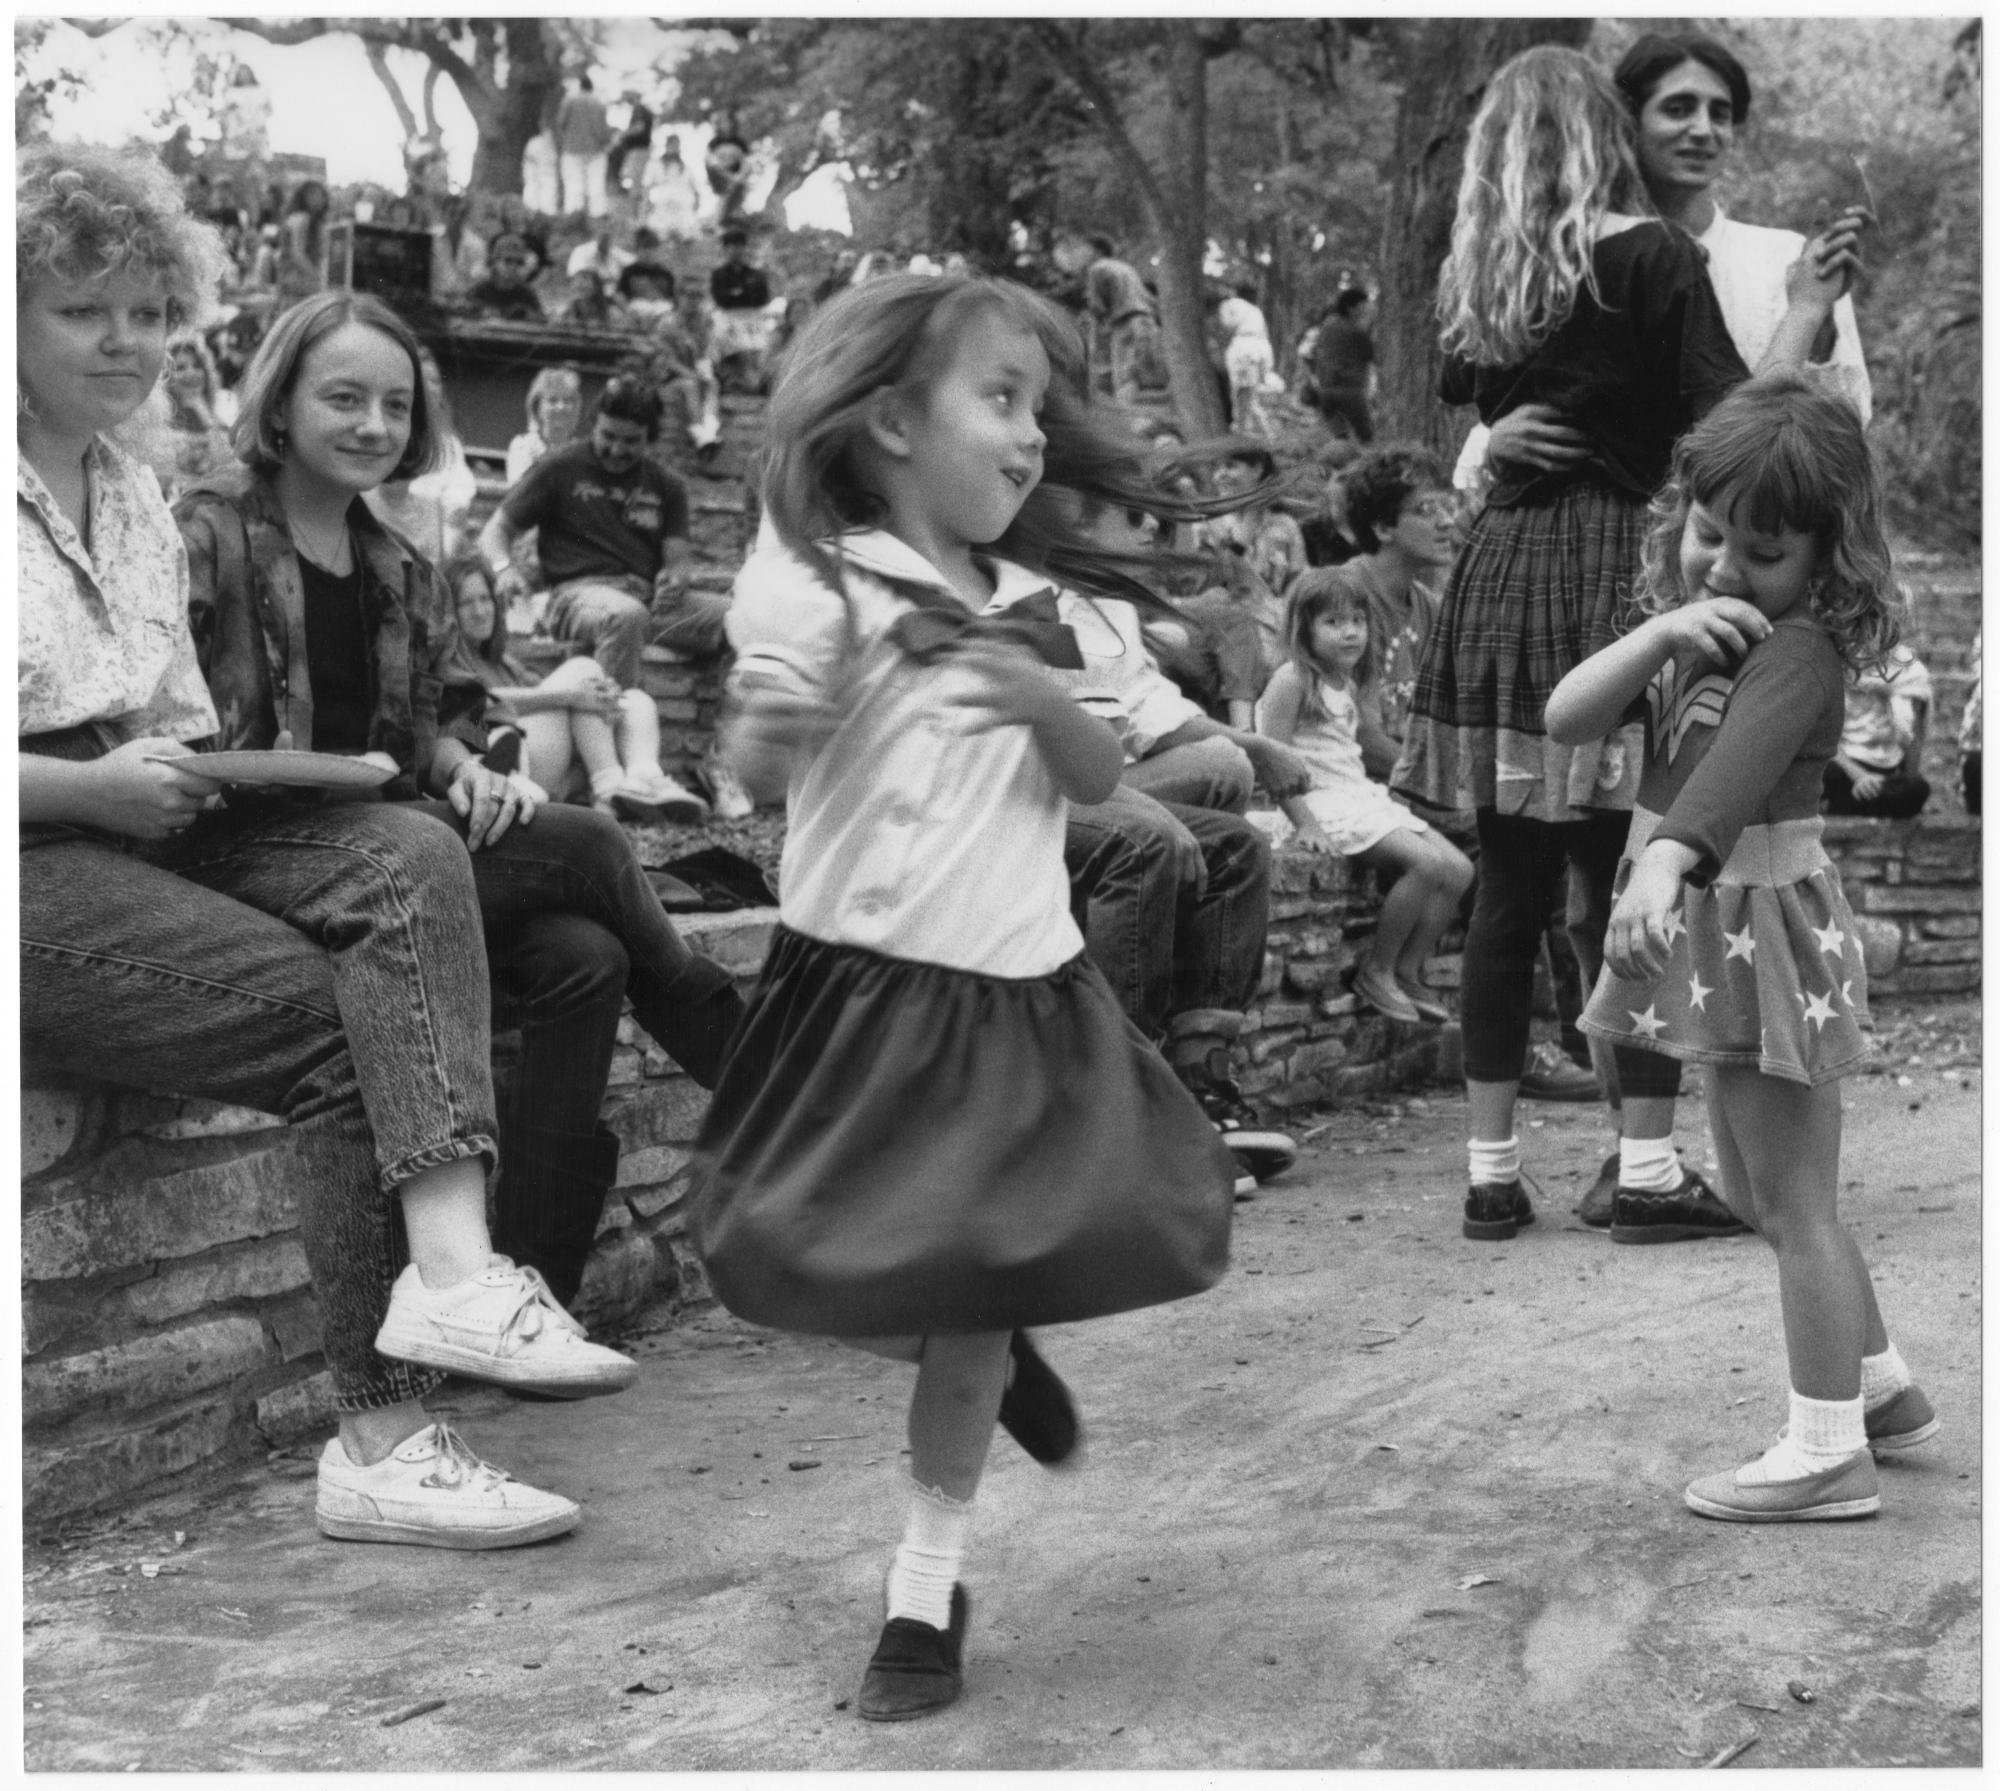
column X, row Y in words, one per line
column 1385, row 1498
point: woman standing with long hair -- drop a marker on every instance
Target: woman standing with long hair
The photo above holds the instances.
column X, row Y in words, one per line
column 1559, row 291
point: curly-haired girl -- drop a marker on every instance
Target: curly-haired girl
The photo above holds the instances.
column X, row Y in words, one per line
column 1731, row 944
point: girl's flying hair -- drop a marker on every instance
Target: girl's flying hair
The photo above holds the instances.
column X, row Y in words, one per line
column 1780, row 453
column 899, row 332
column 1550, row 152
column 1327, row 591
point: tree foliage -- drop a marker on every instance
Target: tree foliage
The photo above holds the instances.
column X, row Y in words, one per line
column 508, row 72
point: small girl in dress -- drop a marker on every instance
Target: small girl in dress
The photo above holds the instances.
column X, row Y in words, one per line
column 935, row 1126
column 575, row 735
column 1322, row 701
column 1731, row 945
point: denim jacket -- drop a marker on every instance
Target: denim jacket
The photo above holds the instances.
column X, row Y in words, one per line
column 246, row 608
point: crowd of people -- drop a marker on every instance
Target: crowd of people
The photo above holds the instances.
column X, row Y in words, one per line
column 1038, row 694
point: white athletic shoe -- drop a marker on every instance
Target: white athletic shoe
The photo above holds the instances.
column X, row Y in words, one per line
column 433, row 1492
column 732, row 800
column 658, row 798
column 502, row 1325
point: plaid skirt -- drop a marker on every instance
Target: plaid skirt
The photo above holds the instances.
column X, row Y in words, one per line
column 1536, row 590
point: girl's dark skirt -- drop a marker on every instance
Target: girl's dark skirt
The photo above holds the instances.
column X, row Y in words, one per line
column 1536, row 590
column 896, row 1147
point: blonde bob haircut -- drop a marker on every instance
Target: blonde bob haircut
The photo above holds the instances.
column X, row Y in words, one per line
column 1781, row 452
column 259, row 435
column 81, row 212
column 1550, row 152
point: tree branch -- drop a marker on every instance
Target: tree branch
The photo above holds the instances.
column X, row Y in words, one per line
column 1065, row 55
column 378, row 60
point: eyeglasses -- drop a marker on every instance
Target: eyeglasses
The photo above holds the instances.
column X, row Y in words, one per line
column 1438, row 507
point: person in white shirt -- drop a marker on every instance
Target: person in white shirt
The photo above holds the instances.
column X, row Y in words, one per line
column 1689, row 97
column 1246, row 357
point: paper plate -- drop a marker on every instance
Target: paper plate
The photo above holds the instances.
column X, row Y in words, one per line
column 305, row 770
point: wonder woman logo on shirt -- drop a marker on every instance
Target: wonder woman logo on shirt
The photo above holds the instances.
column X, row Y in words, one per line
column 1672, row 711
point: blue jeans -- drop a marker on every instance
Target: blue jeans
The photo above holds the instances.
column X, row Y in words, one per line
column 1174, row 903
column 607, row 617
column 1209, row 773
column 323, row 965
column 572, row 929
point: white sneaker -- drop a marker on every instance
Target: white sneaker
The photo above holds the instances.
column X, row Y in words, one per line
column 656, row 797
column 732, row 800
column 432, row 1491
column 501, row 1325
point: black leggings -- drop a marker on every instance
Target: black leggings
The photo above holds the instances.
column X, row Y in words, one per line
column 1521, row 865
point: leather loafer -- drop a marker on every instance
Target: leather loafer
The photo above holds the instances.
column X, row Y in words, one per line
column 916, row 1668
column 1495, row 1211
column 1036, row 1410
column 1693, row 1210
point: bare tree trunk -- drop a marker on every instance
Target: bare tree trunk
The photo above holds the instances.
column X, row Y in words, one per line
column 1181, row 220
column 1175, row 198
column 1448, row 63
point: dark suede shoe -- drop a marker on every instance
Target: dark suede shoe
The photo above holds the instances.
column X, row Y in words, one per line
column 1036, row 1409
column 1595, row 1207
column 1495, row 1211
column 915, row 1668
column 1693, row 1210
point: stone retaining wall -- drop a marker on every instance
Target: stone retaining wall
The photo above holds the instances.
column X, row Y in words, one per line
column 168, row 1320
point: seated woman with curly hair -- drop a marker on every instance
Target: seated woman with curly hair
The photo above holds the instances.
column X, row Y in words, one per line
column 318, row 960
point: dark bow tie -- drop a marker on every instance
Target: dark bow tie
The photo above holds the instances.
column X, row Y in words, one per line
column 938, row 627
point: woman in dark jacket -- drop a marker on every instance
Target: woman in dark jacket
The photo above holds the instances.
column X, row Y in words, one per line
column 317, row 627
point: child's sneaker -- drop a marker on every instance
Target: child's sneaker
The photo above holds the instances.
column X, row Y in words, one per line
column 1846, row 1489
column 1902, row 1422
column 433, row 1492
column 502, row 1325
column 1262, row 1151
column 1495, row 1211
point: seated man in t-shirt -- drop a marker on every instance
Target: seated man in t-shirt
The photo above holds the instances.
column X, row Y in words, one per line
column 1170, row 884
column 611, row 528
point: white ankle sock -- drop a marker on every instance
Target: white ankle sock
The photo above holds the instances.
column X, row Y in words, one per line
column 1493, row 1164
column 1820, row 1433
column 604, row 783
column 1882, row 1378
column 928, row 1558
column 1649, row 1165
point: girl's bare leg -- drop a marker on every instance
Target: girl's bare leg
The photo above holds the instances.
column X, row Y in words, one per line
column 1786, row 1144
column 955, row 1406
column 637, row 734
column 1734, row 1179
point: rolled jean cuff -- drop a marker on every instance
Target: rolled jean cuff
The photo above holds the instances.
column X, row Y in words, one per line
column 436, row 1156
column 396, row 1384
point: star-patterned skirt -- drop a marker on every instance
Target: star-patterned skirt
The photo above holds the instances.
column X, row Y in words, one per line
column 1766, row 974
